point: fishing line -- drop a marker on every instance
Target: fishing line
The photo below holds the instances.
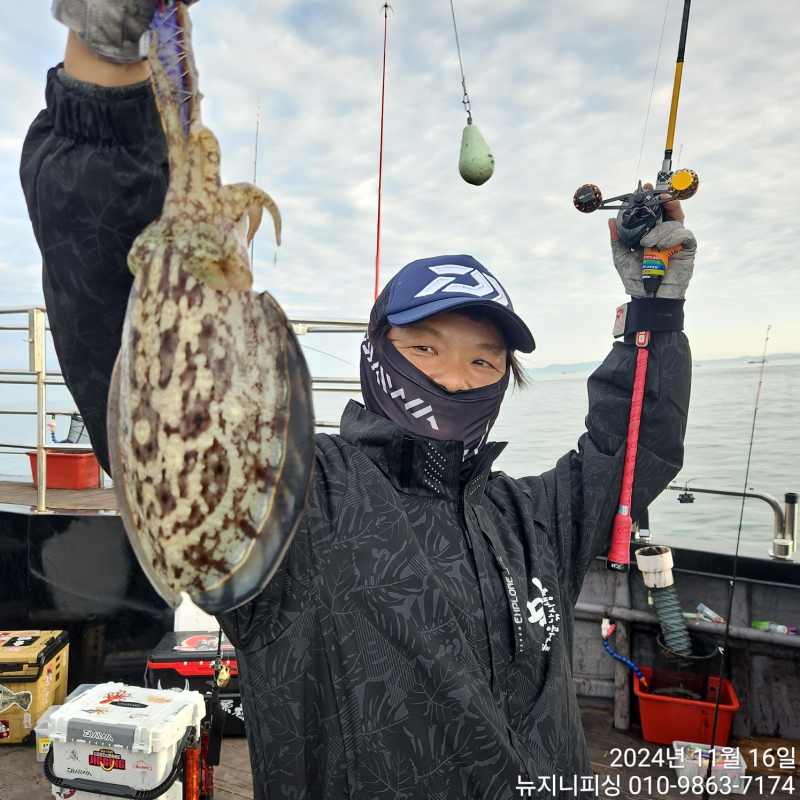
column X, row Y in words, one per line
column 652, row 88
column 349, row 363
column 733, row 577
column 475, row 161
column 465, row 100
column 385, row 8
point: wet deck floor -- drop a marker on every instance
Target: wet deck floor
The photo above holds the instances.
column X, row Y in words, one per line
column 23, row 493
column 21, row 775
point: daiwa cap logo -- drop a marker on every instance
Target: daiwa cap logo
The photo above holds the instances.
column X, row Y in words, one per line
column 483, row 284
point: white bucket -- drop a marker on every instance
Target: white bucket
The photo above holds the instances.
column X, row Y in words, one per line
column 655, row 563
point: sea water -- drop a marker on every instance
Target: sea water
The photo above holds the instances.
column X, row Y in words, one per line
column 545, row 421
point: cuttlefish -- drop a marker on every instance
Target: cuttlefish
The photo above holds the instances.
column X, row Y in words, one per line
column 210, row 418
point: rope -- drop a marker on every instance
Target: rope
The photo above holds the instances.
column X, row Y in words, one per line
column 652, row 88
column 735, row 565
column 386, row 8
column 465, row 100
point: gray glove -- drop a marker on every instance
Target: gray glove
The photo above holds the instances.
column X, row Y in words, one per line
column 110, row 28
column 664, row 236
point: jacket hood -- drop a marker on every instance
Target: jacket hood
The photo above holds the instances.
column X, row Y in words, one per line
column 413, row 463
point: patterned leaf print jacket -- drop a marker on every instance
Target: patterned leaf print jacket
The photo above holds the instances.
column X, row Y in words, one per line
column 416, row 641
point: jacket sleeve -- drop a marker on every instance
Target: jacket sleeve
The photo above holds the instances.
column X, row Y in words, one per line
column 94, row 173
column 580, row 496
column 291, row 589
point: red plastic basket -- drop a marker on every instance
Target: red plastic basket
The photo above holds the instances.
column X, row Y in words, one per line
column 669, row 719
column 68, row 470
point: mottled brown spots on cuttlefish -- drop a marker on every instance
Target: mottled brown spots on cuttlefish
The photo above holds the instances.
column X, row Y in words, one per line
column 210, row 393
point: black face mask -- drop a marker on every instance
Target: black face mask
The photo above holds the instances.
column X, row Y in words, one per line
column 395, row 389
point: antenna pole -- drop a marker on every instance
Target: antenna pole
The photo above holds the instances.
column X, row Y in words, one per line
column 255, row 167
column 380, row 157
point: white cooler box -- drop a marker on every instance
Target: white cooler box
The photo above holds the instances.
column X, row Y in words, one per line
column 120, row 735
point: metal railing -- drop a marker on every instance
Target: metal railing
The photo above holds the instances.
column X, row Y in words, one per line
column 39, row 376
column 785, row 541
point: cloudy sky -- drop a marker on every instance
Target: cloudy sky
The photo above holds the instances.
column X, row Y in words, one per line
column 560, row 91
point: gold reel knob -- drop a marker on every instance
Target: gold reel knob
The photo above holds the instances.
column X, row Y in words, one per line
column 684, row 184
column 587, row 198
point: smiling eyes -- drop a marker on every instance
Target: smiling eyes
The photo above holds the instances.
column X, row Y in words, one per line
column 427, row 349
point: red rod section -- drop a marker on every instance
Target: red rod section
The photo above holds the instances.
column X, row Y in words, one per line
column 619, row 555
column 380, row 158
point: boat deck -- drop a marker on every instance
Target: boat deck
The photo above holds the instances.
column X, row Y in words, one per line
column 21, row 776
column 23, row 493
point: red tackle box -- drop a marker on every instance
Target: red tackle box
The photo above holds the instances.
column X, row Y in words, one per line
column 67, row 470
column 185, row 659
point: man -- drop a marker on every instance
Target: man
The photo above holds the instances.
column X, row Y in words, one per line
column 416, row 640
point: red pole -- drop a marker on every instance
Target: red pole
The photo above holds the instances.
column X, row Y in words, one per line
column 380, row 158
column 619, row 555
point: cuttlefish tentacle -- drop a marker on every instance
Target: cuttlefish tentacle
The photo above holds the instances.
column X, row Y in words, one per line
column 244, row 197
column 211, row 427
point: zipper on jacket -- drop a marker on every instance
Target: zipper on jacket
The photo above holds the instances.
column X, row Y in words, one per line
column 408, row 462
column 462, row 519
column 513, row 597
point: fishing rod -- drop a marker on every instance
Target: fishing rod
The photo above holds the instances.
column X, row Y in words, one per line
column 638, row 212
column 724, row 648
column 386, row 8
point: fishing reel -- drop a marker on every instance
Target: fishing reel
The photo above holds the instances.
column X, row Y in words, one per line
column 641, row 210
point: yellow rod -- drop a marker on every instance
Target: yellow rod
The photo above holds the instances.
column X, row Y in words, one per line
column 673, row 112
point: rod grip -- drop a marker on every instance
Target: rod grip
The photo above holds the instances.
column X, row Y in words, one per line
column 619, row 554
column 654, row 267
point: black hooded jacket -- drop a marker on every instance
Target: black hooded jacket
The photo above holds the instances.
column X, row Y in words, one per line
column 416, row 641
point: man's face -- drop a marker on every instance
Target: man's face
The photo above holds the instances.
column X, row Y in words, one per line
column 454, row 351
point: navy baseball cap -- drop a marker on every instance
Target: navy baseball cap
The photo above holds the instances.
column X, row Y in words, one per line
column 431, row 286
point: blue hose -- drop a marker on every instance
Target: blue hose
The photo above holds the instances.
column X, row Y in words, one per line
column 625, row 661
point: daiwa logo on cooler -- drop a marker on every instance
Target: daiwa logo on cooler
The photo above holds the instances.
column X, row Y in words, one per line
column 445, row 281
column 102, row 735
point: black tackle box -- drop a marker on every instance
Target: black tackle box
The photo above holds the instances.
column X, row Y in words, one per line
column 185, row 660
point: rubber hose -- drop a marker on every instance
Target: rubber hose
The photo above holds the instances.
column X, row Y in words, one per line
column 673, row 623
column 626, row 661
